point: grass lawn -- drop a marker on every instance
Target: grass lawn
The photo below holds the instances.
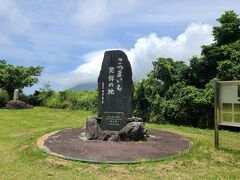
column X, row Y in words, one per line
column 21, row 159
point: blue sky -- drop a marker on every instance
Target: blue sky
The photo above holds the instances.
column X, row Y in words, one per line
column 68, row 38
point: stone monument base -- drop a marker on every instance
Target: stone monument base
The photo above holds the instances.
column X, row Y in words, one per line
column 67, row 144
column 134, row 130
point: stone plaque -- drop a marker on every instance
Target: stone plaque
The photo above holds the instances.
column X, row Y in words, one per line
column 113, row 121
column 115, row 86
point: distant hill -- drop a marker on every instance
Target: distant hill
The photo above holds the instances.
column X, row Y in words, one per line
column 85, row 87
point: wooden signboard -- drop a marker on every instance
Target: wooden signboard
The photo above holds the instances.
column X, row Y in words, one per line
column 227, row 105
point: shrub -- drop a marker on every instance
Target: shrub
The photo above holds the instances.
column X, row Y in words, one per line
column 185, row 105
column 73, row 100
column 43, row 94
column 181, row 105
column 34, row 99
column 23, row 97
column 3, row 98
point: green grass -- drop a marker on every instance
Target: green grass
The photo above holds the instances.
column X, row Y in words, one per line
column 21, row 159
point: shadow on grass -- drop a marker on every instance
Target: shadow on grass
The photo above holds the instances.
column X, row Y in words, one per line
column 229, row 150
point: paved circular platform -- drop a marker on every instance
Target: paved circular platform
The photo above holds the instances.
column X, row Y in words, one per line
column 67, row 144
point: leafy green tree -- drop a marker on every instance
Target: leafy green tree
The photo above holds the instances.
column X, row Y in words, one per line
column 226, row 47
column 141, row 101
column 17, row 77
column 229, row 69
column 167, row 71
column 3, row 98
column 183, row 95
column 229, row 30
column 198, row 74
column 44, row 93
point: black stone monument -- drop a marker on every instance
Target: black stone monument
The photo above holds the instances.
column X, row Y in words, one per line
column 115, row 88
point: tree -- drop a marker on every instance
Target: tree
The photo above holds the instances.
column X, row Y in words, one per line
column 183, row 95
column 229, row 30
column 17, row 77
column 44, row 93
column 198, row 73
column 229, row 69
column 225, row 48
column 141, row 102
column 168, row 71
column 3, row 98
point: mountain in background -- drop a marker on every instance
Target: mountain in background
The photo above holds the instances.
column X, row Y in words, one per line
column 85, row 87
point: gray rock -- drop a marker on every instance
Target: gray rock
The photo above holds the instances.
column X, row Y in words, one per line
column 133, row 131
column 115, row 87
column 83, row 136
column 114, row 138
column 17, row 104
column 92, row 128
column 134, row 119
column 99, row 119
column 109, row 136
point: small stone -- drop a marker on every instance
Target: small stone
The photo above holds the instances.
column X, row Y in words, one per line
column 109, row 136
column 133, row 131
column 83, row 136
column 114, row 137
column 99, row 119
column 92, row 128
column 134, row 119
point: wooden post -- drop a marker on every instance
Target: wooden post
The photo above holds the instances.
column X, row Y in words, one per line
column 216, row 116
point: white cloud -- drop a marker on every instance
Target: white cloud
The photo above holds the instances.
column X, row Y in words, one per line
column 90, row 14
column 187, row 44
column 87, row 72
column 16, row 20
column 145, row 50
